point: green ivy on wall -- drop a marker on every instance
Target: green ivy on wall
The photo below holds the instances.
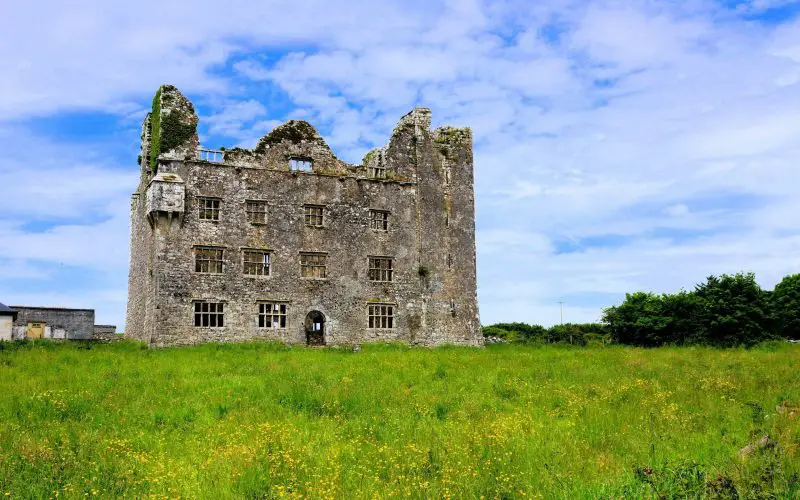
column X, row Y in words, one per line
column 155, row 131
column 169, row 131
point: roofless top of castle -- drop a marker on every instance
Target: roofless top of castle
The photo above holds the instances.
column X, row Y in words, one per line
column 170, row 132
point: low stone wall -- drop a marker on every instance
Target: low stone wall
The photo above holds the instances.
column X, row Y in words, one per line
column 106, row 333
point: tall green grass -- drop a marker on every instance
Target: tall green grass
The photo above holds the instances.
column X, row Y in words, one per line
column 265, row 420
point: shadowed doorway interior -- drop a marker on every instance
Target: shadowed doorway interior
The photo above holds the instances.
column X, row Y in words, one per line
column 315, row 328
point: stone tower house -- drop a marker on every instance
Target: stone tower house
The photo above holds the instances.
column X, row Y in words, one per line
column 287, row 242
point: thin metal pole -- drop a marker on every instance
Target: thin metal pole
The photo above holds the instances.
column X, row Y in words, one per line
column 561, row 309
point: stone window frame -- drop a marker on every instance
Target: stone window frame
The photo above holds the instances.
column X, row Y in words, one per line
column 264, row 264
column 203, row 255
column 314, row 265
column 380, row 316
column 379, row 220
column 377, row 170
column 314, row 215
column 209, row 313
column 209, row 208
column 266, row 316
column 301, row 164
column 252, row 209
column 380, row 268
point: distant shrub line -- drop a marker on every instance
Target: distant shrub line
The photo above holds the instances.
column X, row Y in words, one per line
column 725, row 311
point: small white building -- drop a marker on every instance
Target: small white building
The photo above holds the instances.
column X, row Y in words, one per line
column 7, row 317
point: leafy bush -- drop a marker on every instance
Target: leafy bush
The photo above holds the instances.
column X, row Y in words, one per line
column 495, row 331
column 569, row 333
column 516, row 332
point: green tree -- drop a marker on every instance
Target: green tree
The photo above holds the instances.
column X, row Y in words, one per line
column 683, row 310
column 785, row 302
column 733, row 310
column 641, row 319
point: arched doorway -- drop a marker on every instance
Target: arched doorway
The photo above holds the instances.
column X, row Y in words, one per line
column 315, row 328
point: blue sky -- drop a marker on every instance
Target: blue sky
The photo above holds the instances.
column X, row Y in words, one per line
column 619, row 146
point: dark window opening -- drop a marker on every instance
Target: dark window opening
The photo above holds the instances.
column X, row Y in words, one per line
column 313, row 215
column 256, row 212
column 271, row 315
column 209, row 314
column 380, row 315
column 208, row 208
column 256, row 263
column 380, row 268
column 208, row 260
column 379, row 220
column 313, row 265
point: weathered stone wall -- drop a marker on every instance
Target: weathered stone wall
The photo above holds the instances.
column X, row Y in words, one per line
column 106, row 333
column 60, row 323
column 428, row 193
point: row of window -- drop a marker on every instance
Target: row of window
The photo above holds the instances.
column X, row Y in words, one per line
column 314, row 215
column 258, row 263
column 273, row 315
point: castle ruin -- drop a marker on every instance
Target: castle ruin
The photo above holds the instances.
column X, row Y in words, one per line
column 287, row 242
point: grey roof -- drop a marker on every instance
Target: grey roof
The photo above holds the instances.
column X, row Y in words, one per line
column 5, row 310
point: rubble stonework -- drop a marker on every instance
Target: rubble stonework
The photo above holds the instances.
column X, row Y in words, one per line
column 106, row 333
column 422, row 178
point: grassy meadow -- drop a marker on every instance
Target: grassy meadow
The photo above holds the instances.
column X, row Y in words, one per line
column 269, row 421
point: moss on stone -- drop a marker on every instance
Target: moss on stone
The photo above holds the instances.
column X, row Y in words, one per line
column 292, row 131
column 369, row 156
column 169, row 128
column 451, row 135
column 155, row 131
column 174, row 130
column 391, row 175
column 331, row 171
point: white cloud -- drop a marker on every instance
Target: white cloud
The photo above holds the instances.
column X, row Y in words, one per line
column 232, row 120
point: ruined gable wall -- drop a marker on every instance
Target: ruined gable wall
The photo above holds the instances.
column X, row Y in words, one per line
column 293, row 139
column 441, row 163
column 459, row 279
